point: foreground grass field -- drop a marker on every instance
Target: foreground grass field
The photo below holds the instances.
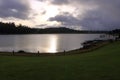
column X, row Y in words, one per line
column 102, row 64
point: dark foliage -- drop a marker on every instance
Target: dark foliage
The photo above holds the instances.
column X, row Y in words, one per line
column 11, row 28
column 116, row 31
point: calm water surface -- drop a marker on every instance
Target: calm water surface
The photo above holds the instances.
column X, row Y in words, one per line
column 44, row 43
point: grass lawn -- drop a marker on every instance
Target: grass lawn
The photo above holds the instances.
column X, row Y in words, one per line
column 101, row 64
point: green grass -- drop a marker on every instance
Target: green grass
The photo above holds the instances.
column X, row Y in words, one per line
column 102, row 64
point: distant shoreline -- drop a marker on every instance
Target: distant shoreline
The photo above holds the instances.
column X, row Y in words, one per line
column 11, row 28
column 51, row 33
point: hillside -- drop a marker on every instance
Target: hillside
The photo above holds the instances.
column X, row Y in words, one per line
column 11, row 28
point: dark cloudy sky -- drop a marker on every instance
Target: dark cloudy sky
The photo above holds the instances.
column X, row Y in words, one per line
column 77, row 14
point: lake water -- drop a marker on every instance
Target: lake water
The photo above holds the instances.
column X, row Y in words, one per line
column 51, row 43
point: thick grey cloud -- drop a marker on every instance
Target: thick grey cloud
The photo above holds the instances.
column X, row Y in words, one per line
column 98, row 20
column 14, row 8
column 92, row 20
column 66, row 19
column 66, row 2
column 59, row 2
column 105, row 16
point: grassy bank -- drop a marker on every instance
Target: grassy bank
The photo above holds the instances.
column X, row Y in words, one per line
column 101, row 64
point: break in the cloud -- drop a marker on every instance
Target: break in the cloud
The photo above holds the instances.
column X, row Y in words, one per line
column 14, row 8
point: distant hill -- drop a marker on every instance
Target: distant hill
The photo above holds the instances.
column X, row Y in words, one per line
column 57, row 30
column 65, row 30
column 11, row 28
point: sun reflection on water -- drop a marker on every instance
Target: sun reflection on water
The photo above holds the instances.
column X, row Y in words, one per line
column 53, row 44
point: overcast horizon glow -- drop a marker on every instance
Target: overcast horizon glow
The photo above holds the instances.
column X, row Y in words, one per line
column 76, row 14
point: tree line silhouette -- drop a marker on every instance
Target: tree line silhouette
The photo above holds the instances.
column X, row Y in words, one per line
column 11, row 28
